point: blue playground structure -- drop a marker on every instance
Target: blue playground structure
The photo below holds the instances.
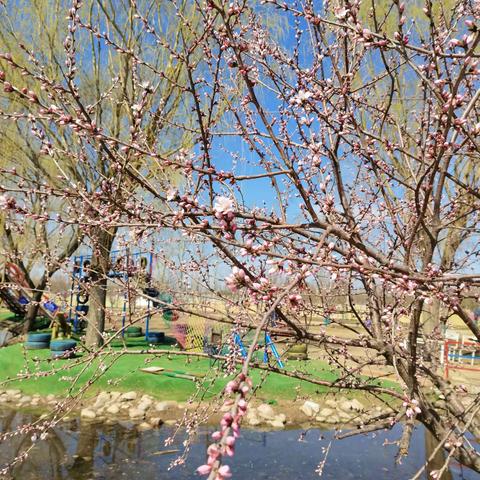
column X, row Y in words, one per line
column 124, row 264
column 269, row 344
column 17, row 298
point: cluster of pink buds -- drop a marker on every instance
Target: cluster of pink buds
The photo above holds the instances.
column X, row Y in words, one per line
column 263, row 290
column 295, row 300
column 224, row 212
column 234, row 9
column 226, row 437
column 7, row 203
column 255, row 250
column 412, row 408
column 237, row 279
column 401, row 38
column 188, row 203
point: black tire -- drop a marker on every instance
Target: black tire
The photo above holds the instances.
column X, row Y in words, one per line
column 36, row 345
column 39, row 337
column 156, row 337
column 156, row 334
column 62, row 345
column 82, row 309
column 151, row 292
column 82, row 298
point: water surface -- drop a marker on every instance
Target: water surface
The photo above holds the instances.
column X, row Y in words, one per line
column 84, row 451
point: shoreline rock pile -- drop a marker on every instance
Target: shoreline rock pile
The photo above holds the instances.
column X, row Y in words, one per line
column 147, row 412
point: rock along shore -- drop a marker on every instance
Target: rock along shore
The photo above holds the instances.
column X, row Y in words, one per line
column 148, row 413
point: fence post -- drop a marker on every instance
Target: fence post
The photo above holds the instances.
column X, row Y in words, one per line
column 445, row 353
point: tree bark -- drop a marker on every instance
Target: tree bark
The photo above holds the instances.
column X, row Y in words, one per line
column 438, row 460
column 32, row 311
column 100, row 267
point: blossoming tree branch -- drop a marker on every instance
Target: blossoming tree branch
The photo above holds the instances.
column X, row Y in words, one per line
column 333, row 155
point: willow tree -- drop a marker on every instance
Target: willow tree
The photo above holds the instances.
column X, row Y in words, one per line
column 65, row 68
column 39, row 248
column 403, row 100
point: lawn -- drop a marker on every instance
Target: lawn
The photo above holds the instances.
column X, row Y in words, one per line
column 7, row 315
column 121, row 373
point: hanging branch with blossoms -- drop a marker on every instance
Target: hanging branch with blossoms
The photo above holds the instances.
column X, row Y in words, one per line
column 336, row 159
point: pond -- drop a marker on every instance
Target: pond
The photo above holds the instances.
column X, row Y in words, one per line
column 85, row 451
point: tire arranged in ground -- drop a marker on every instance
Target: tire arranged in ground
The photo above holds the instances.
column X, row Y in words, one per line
column 298, row 348
column 30, row 345
column 63, row 348
column 82, row 298
column 156, row 337
column 297, row 356
column 63, row 354
column 62, row 345
column 134, row 331
column 39, row 337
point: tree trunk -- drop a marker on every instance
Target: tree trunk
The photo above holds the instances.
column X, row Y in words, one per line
column 87, row 439
column 98, row 288
column 32, row 311
column 438, row 460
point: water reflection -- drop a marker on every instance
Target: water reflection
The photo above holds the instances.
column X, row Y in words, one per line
column 438, row 457
column 81, row 450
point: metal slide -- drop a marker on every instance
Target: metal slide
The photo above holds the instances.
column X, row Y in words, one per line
column 15, row 294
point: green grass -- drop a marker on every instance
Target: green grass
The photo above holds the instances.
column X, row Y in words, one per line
column 40, row 322
column 7, row 315
column 122, row 374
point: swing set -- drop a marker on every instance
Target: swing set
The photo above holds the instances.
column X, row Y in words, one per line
column 214, row 346
column 268, row 345
column 124, row 265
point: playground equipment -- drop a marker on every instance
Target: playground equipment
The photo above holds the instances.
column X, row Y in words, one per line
column 458, row 354
column 268, row 345
column 63, row 348
column 213, row 343
column 124, row 265
column 38, row 341
column 15, row 293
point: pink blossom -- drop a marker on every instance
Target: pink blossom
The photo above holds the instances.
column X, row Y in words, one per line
column 213, row 450
column 341, row 13
column 236, row 279
column 3, row 202
column 224, row 471
column 455, row 42
column 236, row 429
column 171, row 194
column 242, row 404
column 204, row 469
column 231, row 387
column 223, row 205
column 301, row 97
column 227, row 419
